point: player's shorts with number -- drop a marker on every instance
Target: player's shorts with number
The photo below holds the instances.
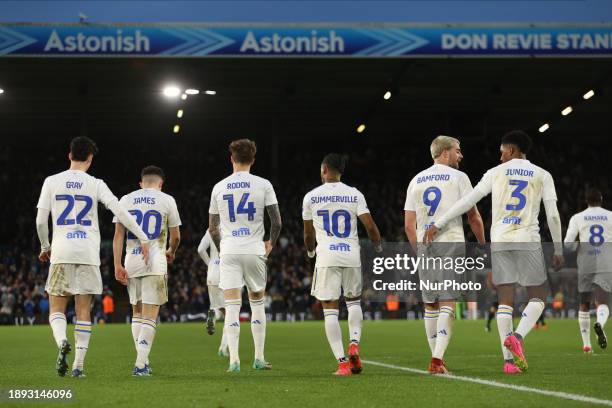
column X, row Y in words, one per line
column 215, row 295
column 237, row 270
column 523, row 266
column 330, row 282
column 73, row 279
column 150, row 289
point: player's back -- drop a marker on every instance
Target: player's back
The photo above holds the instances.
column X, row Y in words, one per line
column 155, row 211
column 432, row 193
column 72, row 196
column 518, row 188
column 334, row 209
column 594, row 225
column 240, row 200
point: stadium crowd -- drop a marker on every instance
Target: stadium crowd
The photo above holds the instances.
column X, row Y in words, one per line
column 382, row 173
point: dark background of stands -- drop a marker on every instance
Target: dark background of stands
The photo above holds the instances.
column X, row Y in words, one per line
column 297, row 111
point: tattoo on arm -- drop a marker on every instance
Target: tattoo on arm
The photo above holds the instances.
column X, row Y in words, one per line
column 213, row 227
column 275, row 222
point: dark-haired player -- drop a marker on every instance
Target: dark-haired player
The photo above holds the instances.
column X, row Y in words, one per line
column 72, row 197
column 517, row 188
column 593, row 228
column 430, row 193
column 157, row 214
column 236, row 225
column 330, row 214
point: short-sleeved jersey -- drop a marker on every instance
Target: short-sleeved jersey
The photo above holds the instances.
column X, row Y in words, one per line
column 240, row 200
column 517, row 189
column 432, row 193
column 72, row 197
column 155, row 211
column 593, row 228
column 333, row 209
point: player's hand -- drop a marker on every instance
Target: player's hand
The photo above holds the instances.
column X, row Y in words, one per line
column 557, row 262
column 44, row 256
column 378, row 247
column 311, row 254
column 145, row 246
column 269, row 247
column 430, row 234
column 121, row 274
column 170, row 255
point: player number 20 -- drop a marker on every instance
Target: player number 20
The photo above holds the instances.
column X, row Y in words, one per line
column 144, row 220
column 335, row 222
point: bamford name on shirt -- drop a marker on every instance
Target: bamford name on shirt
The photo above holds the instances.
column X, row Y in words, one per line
column 433, row 177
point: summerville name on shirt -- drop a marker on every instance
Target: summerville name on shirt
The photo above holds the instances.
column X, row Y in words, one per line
column 333, row 199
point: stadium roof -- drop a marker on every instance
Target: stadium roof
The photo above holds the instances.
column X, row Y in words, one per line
column 298, row 99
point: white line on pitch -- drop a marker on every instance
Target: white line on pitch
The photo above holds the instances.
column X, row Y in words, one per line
column 558, row 394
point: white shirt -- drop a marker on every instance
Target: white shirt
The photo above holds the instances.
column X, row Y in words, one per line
column 155, row 211
column 333, row 209
column 240, row 200
column 213, row 260
column 593, row 228
column 432, row 193
column 517, row 189
column 72, row 197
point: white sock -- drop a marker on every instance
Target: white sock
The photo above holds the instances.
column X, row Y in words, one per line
column 232, row 328
column 530, row 316
column 431, row 327
column 258, row 327
column 145, row 341
column 355, row 320
column 603, row 312
column 444, row 331
column 58, row 326
column 223, row 345
column 333, row 332
column 504, row 327
column 136, row 330
column 82, row 333
column 584, row 322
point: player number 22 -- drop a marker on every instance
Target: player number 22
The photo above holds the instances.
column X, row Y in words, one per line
column 244, row 207
column 80, row 217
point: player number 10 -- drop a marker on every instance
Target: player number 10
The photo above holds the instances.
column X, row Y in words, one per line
column 335, row 221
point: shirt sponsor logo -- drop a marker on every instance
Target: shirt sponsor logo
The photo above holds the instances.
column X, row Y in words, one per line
column 342, row 247
column 512, row 220
column 241, row 232
column 76, row 235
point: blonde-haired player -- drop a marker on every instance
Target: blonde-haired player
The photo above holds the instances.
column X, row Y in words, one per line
column 430, row 193
column 517, row 187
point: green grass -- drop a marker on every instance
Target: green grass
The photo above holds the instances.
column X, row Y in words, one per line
column 187, row 371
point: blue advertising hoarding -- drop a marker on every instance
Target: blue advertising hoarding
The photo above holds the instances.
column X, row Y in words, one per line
column 315, row 40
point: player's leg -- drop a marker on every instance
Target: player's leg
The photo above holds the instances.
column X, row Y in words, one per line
column 231, row 281
column 326, row 287
column 584, row 321
column 82, row 332
column 148, row 329
column 136, row 323
column 491, row 316
column 211, row 317
column 444, row 331
column 57, row 321
column 504, row 318
column 603, row 312
column 254, row 267
column 223, row 351
column 432, row 312
column 352, row 285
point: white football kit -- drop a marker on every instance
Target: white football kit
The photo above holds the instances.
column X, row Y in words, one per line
column 517, row 189
column 155, row 211
column 334, row 209
column 240, row 200
column 72, row 198
column 215, row 295
column 431, row 193
column 593, row 228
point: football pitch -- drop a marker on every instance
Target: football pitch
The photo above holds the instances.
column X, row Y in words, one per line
column 187, row 371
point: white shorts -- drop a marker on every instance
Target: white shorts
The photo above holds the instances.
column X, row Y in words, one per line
column 525, row 267
column 150, row 289
column 330, row 282
column 215, row 295
column 212, row 274
column 73, row 279
column 238, row 270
